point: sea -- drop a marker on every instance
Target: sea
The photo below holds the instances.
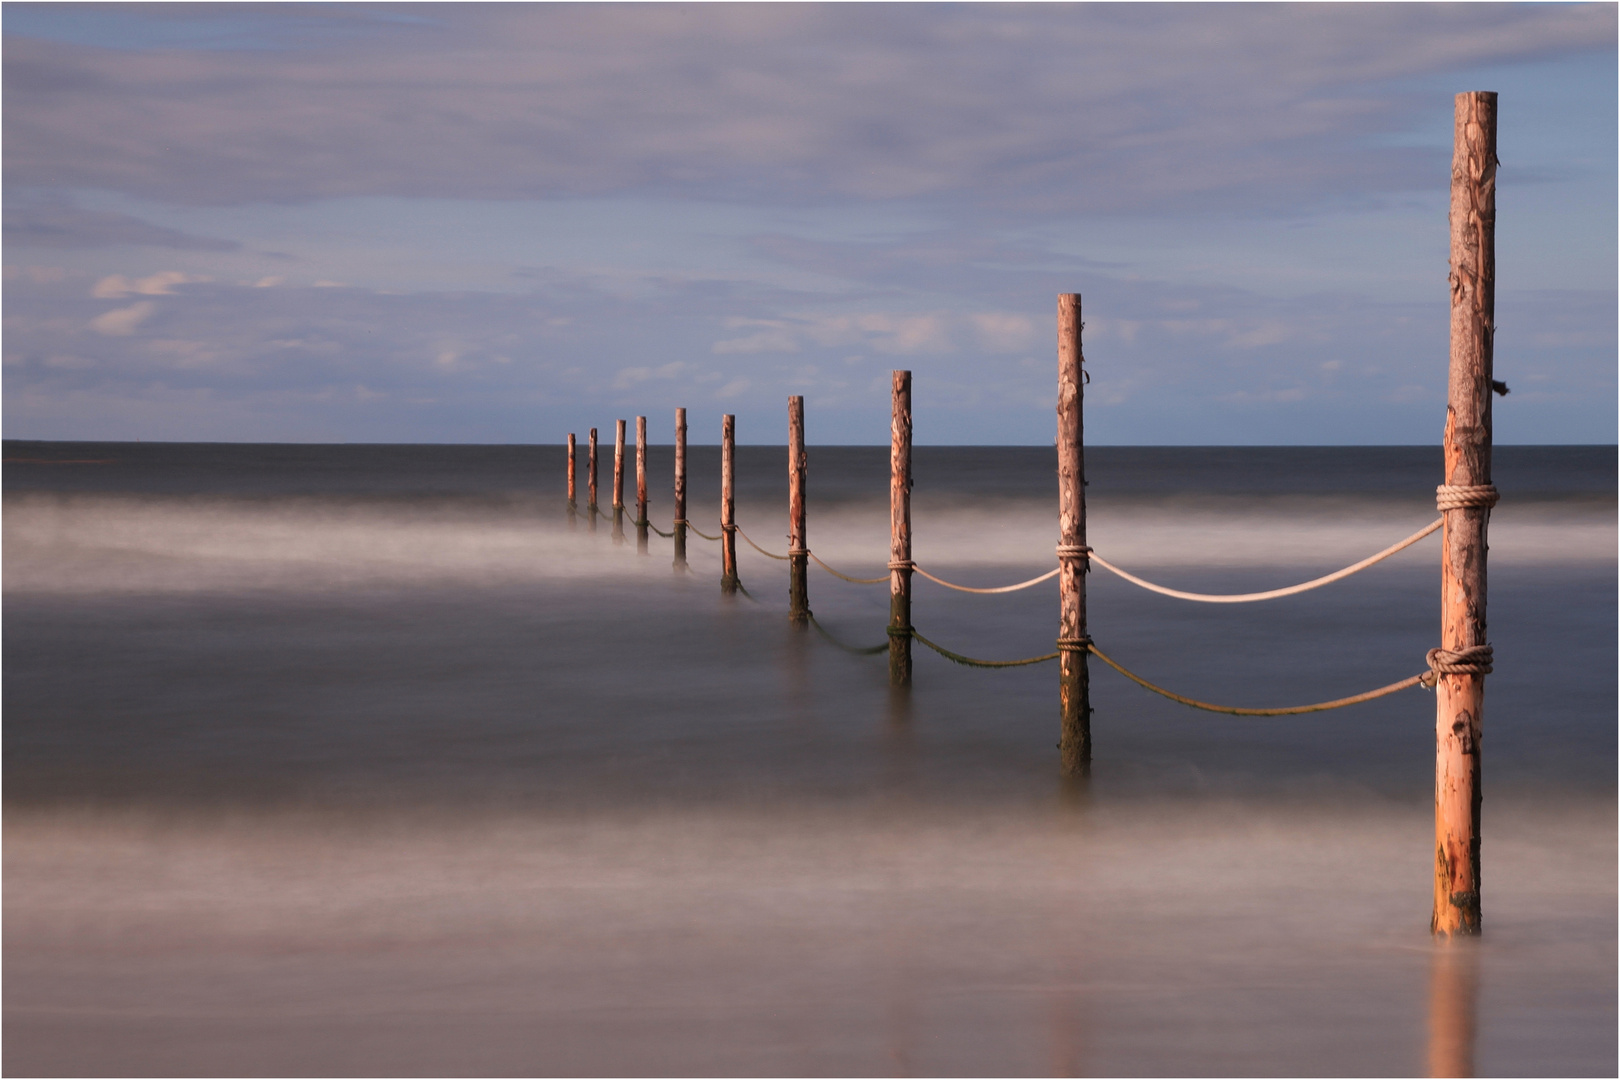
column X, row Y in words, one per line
column 376, row 760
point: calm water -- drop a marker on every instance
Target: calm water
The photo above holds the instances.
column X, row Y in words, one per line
column 362, row 759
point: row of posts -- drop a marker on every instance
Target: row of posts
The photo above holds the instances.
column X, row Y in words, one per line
column 1467, row 497
column 1075, row 741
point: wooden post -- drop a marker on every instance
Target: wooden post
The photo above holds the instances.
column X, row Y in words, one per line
column 573, row 507
column 728, row 504
column 798, row 547
column 680, row 489
column 590, row 480
column 900, row 531
column 618, row 482
column 1074, row 676
column 1465, row 500
column 641, row 484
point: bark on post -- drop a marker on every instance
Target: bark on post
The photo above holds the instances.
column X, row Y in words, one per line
column 1466, row 500
column 728, row 504
column 679, row 526
column 590, row 480
column 900, row 532
column 641, row 484
column 618, row 482
column 573, row 506
column 798, row 548
column 1074, row 677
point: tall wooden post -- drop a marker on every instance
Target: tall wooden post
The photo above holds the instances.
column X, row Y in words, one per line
column 798, row 547
column 618, row 482
column 590, row 481
column 728, row 504
column 1464, row 656
column 900, row 531
column 573, row 506
column 1074, row 676
column 679, row 526
column 641, row 484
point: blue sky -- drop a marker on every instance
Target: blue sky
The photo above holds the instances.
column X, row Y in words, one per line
column 501, row 223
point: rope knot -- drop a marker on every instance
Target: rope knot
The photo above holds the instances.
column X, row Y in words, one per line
column 1074, row 644
column 1464, row 496
column 1072, row 551
column 727, row 528
column 798, row 551
column 901, row 564
column 900, row 631
column 1473, row 660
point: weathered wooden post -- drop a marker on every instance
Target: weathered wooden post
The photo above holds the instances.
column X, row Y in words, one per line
column 728, row 504
column 573, row 506
column 590, row 480
column 618, row 483
column 679, row 526
column 1465, row 499
column 798, row 547
column 900, row 531
column 1074, row 676
column 641, row 485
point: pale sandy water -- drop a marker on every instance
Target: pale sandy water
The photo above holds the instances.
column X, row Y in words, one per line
column 360, row 761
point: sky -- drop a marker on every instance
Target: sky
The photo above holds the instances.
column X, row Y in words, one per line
column 502, row 223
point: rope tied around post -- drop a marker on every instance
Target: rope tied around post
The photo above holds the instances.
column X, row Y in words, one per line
column 1465, row 496
column 1474, row 660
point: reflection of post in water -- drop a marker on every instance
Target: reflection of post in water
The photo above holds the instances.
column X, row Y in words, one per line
column 899, row 744
column 1068, row 1036
column 796, row 675
column 1453, row 1007
column 1074, row 794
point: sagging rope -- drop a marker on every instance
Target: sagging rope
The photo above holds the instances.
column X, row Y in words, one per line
column 892, row 566
column 694, row 528
column 847, row 648
column 1003, row 589
column 1272, row 594
column 846, row 577
column 762, row 551
column 1293, row 710
column 971, row 662
column 1474, row 660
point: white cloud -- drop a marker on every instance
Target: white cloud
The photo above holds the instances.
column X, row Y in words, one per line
column 121, row 322
column 1003, row 332
column 628, row 377
column 118, row 286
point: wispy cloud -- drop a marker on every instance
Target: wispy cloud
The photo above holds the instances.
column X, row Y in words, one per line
column 1026, row 109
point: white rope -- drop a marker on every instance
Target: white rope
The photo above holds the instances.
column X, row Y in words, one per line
column 1244, row 598
column 1005, row 588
